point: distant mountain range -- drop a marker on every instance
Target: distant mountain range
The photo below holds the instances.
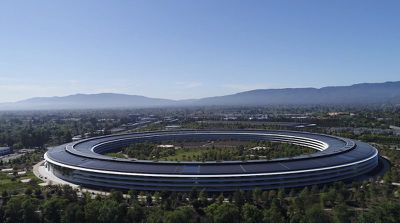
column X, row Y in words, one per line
column 358, row 94
column 87, row 101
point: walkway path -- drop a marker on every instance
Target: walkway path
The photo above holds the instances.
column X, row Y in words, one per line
column 40, row 172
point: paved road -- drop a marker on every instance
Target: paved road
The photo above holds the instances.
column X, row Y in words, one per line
column 49, row 179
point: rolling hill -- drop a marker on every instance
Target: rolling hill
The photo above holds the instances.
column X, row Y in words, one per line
column 358, row 94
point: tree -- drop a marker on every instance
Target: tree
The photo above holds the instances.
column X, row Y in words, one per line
column 135, row 213
column 203, row 198
column 4, row 194
column 386, row 212
column 341, row 214
column 257, row 193
column 52, row 209
column 133, row 196
column 149, row 199
column 315, row 214
column 224, row 213
column 156, row 215
column 238, row 198
column 69, row 193
column 116, row 196
column 92, row 210
column 366, row 217
column 157, row 197
column 28, row 212
column 181, row 215
column 328, row 199
column 13, row 210
column 251, row 214
column 73, row 214
column 28, row 191
column 281, row 194
column 274, row 214
column 306, row 197
column 193, row 194
column 109, row 212
column 220, row 198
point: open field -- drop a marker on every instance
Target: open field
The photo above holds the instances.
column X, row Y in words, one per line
column 13, row 183
column 210, row 150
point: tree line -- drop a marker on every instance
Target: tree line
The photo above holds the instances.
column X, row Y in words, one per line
column 361, row 202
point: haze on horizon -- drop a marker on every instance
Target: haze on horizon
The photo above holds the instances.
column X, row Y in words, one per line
column 183, row 49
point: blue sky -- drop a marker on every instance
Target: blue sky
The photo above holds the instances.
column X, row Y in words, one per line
column 192, row 49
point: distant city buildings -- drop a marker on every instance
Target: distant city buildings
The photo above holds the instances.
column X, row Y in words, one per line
column 333, row 114
column 396, row 129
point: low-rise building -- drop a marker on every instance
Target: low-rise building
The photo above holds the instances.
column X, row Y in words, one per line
column 172, row 127
column 8, row 170
column 5, row 151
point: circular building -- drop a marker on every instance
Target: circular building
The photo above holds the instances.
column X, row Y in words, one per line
column 335, row 159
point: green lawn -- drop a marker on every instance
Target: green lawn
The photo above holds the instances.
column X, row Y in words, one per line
column 13, row 183
column 211, row 151
column 116, row 155
column 183, row 155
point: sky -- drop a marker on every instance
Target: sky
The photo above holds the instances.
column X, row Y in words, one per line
column 193, row 49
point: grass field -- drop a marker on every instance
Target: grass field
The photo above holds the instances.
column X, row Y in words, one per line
column 184, row 155
column 116, row 155
column 13, row 183
column 210, row 151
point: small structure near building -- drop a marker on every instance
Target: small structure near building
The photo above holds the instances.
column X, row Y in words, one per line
column 77, row 137
column 26, row 180
column 172, row 127
column 8, row 170
column 20, row 173
column 257, row 148
column 396, row 129
column 23, row 151
column 5, row 151
column 166, row 146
